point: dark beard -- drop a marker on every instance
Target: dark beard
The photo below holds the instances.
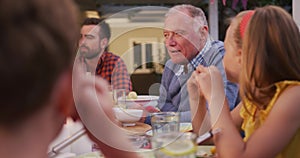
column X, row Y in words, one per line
column 88, row 54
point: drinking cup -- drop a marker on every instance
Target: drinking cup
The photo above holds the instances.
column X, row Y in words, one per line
column 174, row 144
column 164, row 122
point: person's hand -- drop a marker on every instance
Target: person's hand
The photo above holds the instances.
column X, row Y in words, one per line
column 92, row 99
column 210, row 82
column 193, row 87
column 151, row 109
column 89, row 91
column 94, row 106
column 147, row 111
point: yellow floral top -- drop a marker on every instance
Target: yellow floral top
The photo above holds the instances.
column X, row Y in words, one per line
column 256, row 118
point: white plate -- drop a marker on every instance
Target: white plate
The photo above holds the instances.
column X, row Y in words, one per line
column 144, row 100
column 90, row 155
column 203, row 151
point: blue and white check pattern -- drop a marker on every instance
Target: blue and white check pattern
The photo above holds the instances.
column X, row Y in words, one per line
column 199, row 59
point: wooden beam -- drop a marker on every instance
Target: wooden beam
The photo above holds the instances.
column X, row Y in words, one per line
column 147, row 2
column 213, row 20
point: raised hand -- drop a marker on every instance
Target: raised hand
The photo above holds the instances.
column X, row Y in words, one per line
column 94, row 106
column 210, row 83
column 193, row 86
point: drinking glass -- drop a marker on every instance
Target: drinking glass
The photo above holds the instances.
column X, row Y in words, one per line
column 119, row 97
column 163, row 122
column 174, row 144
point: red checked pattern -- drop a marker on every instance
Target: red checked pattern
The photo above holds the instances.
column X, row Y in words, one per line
column 112, row 68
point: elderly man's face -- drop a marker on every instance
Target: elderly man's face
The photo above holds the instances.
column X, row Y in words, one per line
column 182, row 39
column 90, row 42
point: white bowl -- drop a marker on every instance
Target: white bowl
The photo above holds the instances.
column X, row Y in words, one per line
column 144, row 100
column 128, row 116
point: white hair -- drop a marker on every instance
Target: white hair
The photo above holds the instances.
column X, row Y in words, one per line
column 196, row 13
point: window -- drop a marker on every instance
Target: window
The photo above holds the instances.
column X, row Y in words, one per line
column 148, row 55
column 142, row 55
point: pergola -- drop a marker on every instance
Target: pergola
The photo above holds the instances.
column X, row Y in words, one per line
column 213, row 8
column 296, row 11
column 213, row 12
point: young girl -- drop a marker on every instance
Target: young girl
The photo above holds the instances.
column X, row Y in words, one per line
column 268, row 71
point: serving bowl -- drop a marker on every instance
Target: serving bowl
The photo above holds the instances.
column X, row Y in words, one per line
column 128, row 116
column 143, row 100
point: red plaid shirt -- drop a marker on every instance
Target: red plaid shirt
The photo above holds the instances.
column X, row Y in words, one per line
column 112, row 68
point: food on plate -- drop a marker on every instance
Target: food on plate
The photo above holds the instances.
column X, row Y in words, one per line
column 206, row 152
column 213, row 150
column 202, row 154
column 144, row 100
column 179, row 148
column 132, row 95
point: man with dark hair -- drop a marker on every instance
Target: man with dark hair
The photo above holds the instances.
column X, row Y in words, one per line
column 38, row 41
column 95, row 35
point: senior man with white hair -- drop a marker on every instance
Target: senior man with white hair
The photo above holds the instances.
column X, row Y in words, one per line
column 189, row 44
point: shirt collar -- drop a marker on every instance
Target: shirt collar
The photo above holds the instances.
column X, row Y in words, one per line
column 199, row 59
column 181, row 70
column 102, row 58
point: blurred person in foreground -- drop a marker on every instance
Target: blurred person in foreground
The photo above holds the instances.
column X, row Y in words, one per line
column 267, row 69
column 189, row 44
column 94, row 39
column 38, row 38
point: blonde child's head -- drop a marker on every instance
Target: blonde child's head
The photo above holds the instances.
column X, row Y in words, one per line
column 233, row 44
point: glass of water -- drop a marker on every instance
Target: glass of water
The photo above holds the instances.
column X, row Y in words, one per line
column 164, row 122
column 174, row 144
column 119, row 97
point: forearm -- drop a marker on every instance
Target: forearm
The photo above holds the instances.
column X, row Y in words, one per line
column 228, row 141
column 198, row 113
